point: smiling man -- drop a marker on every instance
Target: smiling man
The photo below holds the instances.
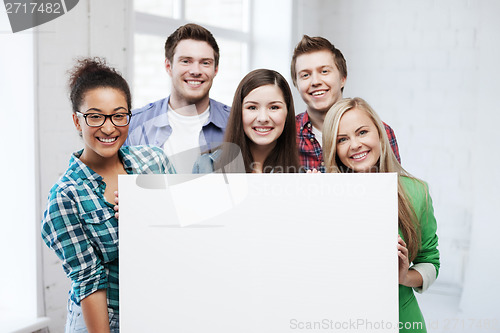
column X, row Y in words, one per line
column 319, row 72
column 188, row 121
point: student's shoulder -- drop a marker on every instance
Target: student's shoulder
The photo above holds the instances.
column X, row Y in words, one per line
column 142, row 152
column 65, row 184
column 220, row 106
column 145, row 159
column 413, row 184
column 69, row 185
column 205, row 163
column 300, row 117
column 150, row 109
column 417, row 191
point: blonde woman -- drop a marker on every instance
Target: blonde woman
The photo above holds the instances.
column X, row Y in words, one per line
column 354, row 140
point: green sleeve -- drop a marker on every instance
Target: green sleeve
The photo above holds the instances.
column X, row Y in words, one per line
column 422, row 203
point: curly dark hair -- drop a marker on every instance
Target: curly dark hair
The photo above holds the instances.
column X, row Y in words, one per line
column 91, row 73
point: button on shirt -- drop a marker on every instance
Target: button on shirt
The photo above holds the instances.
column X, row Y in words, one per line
column 80, row 226
column 310, row 152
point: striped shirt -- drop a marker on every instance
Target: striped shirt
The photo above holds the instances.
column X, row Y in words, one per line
column 310, row 152
column 80, row 226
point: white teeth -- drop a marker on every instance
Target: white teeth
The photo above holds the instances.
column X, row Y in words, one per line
column 317, row 93
column 260, row 129
column 107, row 140
column 360, row 155
column 194, row 82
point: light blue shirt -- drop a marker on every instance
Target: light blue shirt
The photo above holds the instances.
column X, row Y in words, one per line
column 149, row 125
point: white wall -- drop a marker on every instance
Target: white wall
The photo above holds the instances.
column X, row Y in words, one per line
column 481, row 285
column 18, row 237
column 268, row 50
column 430, row 69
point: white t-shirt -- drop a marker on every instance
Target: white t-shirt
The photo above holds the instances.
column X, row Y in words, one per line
column 183, row 145
column 318, row 135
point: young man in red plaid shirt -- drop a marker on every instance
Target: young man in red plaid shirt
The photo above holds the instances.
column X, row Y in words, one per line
column 319, row 72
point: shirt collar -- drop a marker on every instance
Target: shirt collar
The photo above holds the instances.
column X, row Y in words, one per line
column 215, row 117
column 82, row 171
column 215, row 155
column 305, row 123
column 85, row 173
column 162, row 119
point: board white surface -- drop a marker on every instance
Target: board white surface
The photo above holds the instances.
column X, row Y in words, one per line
column 258, row 253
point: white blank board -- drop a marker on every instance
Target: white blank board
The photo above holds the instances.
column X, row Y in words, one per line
column 258, row 253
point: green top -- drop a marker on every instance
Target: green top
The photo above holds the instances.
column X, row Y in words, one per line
column 418, row 194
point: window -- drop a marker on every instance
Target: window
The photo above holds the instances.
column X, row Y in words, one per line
column 20, row 237
column 167, row 8
column 229, row 14
column 157, row 19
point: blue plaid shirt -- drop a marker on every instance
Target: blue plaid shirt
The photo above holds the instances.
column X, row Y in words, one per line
column 80, row 225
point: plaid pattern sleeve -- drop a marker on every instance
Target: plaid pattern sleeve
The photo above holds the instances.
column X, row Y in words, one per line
column 392, row 140
column 310, row 152
column 146, row 160
column 80, row 227
column 79, row 224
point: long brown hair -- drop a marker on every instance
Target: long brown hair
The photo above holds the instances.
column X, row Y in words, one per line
column 284, row 156
column 407, row 219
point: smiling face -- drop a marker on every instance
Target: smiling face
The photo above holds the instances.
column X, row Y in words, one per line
column 318, row 80
column 104, row 141
column 264, row 115
column 192, row 70
column 358, row 141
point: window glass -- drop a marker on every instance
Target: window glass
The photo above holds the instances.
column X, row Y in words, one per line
column 232, row 68
column 165, row 8
column 229, row 14
column 151, row 81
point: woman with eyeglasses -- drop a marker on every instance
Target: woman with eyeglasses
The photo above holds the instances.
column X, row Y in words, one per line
column 79, row 223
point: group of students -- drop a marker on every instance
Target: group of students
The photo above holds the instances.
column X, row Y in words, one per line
column 332, row 135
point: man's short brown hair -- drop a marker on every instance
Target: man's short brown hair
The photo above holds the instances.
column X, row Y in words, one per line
column 190, row 31
column 313, row 44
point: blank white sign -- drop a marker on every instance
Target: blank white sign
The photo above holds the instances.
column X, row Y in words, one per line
column 258, row 253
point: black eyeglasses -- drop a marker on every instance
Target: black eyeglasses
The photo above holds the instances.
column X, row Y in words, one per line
column 97, row 119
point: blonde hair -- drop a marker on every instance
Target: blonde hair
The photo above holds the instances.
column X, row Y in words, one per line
column 407, row 219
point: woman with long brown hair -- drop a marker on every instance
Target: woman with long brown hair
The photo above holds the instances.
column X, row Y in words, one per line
column 261, row 127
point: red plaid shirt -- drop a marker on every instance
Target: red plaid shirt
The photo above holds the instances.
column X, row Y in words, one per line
column 310, row 152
